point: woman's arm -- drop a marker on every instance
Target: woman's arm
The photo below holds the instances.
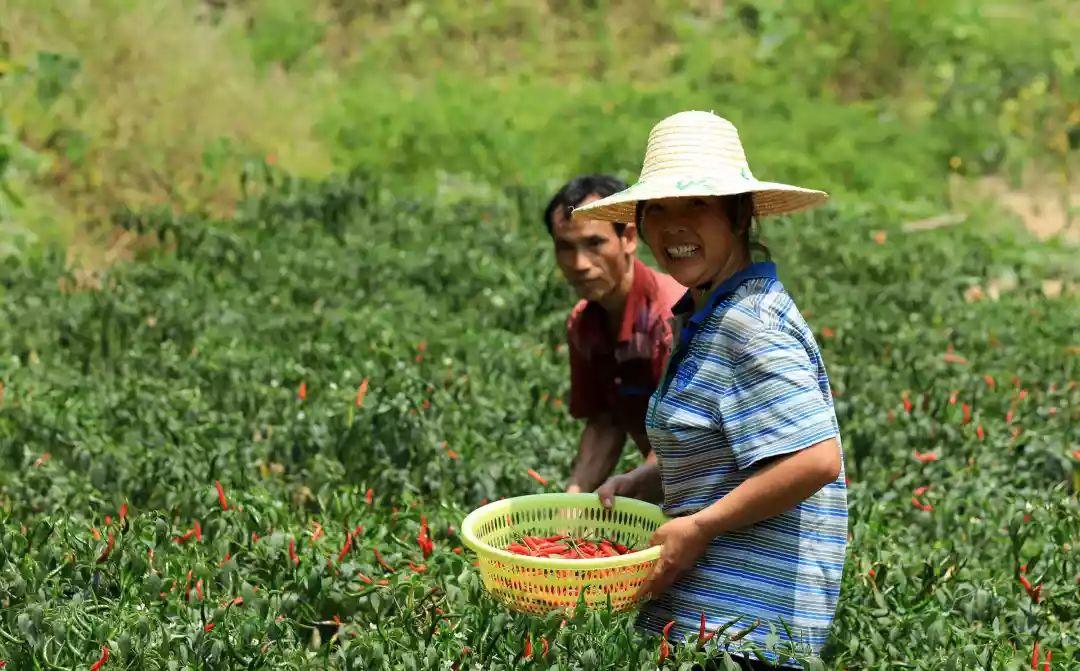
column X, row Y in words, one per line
column 780, row 485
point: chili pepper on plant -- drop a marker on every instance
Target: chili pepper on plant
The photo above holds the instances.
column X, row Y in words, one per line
column 382, row 562
column 102, row 659
column 346, row 547
column 108, row 548
column 536, row 476
column 361, row 392
column 222, row 501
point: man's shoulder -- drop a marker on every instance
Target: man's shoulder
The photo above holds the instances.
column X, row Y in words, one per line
column 581, row 323
column 577, row 313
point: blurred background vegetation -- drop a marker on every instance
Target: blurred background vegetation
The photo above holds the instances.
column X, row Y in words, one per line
column 900, row 109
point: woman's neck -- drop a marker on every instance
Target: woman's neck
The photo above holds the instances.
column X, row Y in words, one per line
column 736, row 262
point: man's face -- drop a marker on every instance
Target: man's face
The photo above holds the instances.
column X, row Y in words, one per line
column 592, row 256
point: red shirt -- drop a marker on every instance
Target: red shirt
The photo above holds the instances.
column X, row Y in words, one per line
column 618, row 375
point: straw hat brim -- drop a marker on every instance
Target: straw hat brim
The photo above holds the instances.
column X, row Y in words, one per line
column 770, row 198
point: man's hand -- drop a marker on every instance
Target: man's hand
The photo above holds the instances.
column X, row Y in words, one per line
column 641, row 483
column 684, row 542
column 619, row 485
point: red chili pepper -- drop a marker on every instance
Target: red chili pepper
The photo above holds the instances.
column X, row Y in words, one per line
column 989, row 380
column 1046, row 662
column 967, row 414
column 418, row 568
column 198, row 531
column 528, row 647
column 382, row 562
column 123, row 511
column 254, row 537
column 1009, row 416
column 361, row 392
column 101, row 660
column 222, row 501
column 664, row 651
column 951, row 357
column 363, row 577
column 369, row 495
column 952, row 398
column 209, row 627
column 536, row 476
column 108, row 548
column 1035, row 656
column 925, row 457
column 1033, row 592
column 667, row 628
column 185, row 537
column 346, row 547
column 926, row 507
column 423, row 539
column 979, row 432
column 907, row 403
column 108, row 520
column 704, row 637
column 301, row 393
column 198, row 589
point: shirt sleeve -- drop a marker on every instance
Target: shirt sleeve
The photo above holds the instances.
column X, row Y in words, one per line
column 775, row 404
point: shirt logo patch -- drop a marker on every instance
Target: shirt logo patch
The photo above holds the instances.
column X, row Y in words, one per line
column 688, row 368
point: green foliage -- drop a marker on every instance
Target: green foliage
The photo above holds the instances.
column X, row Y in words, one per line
column 185, row 369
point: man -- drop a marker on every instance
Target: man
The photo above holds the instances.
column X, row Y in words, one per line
column 618, row 334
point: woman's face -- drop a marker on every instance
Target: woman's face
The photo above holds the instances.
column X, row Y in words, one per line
column 692, row 239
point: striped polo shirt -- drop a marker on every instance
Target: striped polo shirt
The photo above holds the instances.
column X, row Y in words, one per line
column 746, row 382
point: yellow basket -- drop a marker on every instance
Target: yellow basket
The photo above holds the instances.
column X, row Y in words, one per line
column 538, row 585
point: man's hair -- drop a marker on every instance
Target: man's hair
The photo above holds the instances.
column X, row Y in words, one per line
column 577, row 190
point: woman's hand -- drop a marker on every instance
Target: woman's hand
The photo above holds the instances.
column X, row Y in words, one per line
column 684, row 542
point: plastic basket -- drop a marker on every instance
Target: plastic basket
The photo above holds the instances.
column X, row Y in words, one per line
column 538, row 585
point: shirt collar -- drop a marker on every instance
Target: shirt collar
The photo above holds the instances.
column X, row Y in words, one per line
column 685, row 306
column 640, row 290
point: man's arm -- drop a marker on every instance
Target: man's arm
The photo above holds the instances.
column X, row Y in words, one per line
column 599, row 450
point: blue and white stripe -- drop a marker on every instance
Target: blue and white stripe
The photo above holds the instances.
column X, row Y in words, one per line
column 747, row 383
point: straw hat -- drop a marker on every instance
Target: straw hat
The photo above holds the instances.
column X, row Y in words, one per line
column 699, row 154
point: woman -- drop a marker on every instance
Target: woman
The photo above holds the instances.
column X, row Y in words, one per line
column 748, row 447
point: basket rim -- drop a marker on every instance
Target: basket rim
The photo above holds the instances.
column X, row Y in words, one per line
column 483, row 513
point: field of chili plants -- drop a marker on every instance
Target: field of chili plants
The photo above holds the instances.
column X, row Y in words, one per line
column 253, row 447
